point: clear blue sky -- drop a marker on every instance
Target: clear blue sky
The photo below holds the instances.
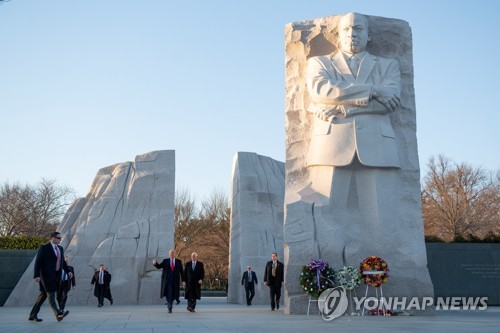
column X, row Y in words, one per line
column 86, row 84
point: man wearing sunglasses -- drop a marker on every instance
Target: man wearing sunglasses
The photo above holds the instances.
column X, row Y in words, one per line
column 49, row 265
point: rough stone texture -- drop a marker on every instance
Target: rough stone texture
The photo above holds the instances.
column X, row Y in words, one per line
column 314, row 232
column 126, row 220
column 258, row 185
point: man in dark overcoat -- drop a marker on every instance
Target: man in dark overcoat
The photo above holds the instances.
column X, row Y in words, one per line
column 171, row 278
column 102, row 285
column 194, row 273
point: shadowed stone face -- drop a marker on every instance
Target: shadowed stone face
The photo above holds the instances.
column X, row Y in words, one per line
column 353, row 33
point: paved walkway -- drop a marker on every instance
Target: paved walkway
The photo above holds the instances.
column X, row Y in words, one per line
column 214, row 314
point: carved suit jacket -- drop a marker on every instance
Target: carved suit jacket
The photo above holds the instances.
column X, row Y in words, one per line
column 362, row 125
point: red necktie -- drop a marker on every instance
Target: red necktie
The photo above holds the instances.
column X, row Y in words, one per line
column 172, row 264
column 58, row 255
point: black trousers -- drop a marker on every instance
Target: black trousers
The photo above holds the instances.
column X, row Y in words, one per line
column 191, row 303
column 62, row 294
column 170, row 294
column 250, row 292
column 275, row 293
column 42, row 296
column 101, row 291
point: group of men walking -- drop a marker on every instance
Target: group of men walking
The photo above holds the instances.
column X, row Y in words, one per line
column 273, row 278
column 191, row 276
column 56, row 277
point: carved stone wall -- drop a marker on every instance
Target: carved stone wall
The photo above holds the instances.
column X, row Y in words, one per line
column 125, row 221
column 258, row 185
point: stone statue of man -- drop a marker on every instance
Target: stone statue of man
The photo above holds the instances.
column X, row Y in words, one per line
column 352, row 93
column 352, row 186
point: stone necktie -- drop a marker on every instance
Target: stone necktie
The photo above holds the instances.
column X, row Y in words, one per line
column 354, row 65
column 58, row 258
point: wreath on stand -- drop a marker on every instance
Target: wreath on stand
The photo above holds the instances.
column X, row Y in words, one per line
column 374, row 271
column 348, row 277
column 316, row 277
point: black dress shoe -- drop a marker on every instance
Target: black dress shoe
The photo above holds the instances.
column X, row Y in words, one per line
column 111, row 301
column 169, row 310
column 35, row 319
column 277, row 306
column 61, row 315
column 190, row 309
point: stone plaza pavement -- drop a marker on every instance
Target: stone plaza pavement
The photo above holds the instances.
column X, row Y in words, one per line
column 214, row 314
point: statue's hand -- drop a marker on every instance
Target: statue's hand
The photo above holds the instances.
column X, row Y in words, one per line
column 326, row 113
column 387, row 97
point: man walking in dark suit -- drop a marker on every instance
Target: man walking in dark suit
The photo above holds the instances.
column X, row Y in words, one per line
column 171, row 277
column 249, row 280
column 194, row 273
column 273, row 278
column 49, row 264
column 102, row 290
column 65, row 286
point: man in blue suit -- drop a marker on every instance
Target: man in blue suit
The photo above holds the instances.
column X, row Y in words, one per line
column 249, row 280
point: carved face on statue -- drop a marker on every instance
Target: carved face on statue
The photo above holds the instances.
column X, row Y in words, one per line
column 353, row 33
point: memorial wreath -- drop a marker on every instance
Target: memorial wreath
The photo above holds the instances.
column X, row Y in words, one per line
column 374, row 271
column 348, row 277
column 316, row 277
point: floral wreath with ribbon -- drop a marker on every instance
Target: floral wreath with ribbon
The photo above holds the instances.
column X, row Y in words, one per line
column 348, row 277
column 316, row 277
column 374, row 271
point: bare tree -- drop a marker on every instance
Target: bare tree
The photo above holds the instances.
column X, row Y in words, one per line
column 459, row 200
column 216, row 213
column 188, row 227
column 184, row 206
column 33, row 210
column 205, row 231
